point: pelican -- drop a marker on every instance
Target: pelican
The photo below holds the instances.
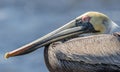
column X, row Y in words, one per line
column 73, row 59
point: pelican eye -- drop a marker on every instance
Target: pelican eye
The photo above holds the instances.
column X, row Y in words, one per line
column 79, row 22
column 86, row 25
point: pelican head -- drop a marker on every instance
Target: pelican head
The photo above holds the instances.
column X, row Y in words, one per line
column 87, row 23
column 100, row 22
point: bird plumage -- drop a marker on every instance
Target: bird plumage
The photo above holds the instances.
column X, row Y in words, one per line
column 97, row 53
column 101, row 22
column 84, row 54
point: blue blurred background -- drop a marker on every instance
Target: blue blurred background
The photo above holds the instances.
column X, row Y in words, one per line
column 22, row 21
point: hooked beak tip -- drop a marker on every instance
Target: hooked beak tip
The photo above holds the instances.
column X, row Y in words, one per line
column 7, row 55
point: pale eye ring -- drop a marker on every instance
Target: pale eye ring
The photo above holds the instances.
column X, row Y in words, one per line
column 85, row 18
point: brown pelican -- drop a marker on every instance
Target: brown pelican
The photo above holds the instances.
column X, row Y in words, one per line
column 72, row 58
column 96, row 53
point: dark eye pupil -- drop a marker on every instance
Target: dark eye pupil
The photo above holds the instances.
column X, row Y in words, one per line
column 79, row 22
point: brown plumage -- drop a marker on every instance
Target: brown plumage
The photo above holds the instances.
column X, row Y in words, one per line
column 98, row 53
column 94, row 53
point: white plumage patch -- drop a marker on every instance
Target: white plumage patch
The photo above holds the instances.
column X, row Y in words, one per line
column 114, row 27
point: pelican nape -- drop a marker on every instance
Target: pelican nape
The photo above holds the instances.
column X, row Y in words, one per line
column 89, row 23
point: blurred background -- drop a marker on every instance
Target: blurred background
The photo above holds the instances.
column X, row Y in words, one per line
column 22, row 21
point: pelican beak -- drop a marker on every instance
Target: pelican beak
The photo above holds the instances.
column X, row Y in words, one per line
column 70, row 29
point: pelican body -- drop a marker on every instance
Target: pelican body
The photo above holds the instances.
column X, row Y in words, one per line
column 87, row 24
column 97, row 53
